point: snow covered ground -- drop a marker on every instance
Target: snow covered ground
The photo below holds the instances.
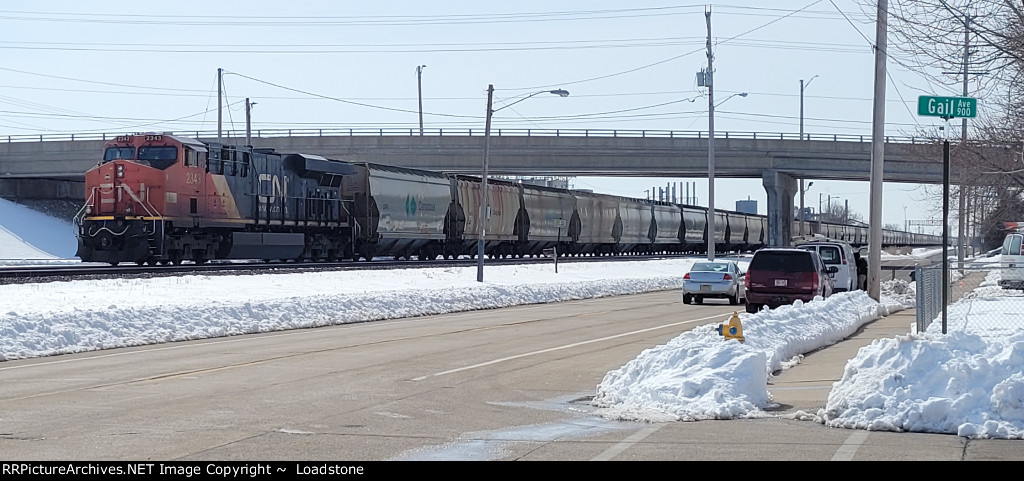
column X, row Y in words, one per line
column 969, row 382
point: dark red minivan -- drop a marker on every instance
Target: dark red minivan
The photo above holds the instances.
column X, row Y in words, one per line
column 780, row 275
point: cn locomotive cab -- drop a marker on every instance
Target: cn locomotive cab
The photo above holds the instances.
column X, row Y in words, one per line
column 122, row 219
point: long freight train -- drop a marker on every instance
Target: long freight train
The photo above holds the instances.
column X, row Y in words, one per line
column 159, row 198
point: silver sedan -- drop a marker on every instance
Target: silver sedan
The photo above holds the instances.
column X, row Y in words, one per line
column 721, row 279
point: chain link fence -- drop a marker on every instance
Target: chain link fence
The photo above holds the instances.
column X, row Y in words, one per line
column 975, row 301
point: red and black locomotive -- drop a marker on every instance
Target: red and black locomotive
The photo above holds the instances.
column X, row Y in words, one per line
column 158, row 198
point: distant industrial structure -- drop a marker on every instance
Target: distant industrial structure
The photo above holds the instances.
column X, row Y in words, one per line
column 747, row 206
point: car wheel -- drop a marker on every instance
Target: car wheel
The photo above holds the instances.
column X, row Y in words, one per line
column 734, row 299
column 687, row 298
column 699, row 299
column 753, row 308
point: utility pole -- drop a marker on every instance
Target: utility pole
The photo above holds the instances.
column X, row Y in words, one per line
column 220, row 114
column 709, row 81
column 419, row 89
column 248, row 122
column 963, row 148
column 877, row 154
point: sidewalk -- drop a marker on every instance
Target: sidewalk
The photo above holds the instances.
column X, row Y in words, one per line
column 805, row 387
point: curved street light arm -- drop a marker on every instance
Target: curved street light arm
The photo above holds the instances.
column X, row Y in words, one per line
column 558, row 92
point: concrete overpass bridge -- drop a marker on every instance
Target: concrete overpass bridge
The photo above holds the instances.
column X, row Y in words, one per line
column 54, row 166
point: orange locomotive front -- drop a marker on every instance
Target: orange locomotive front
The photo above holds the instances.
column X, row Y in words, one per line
column 142, row 183
column 158, row 198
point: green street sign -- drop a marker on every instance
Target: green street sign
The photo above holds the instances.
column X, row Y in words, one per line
column 947, row 107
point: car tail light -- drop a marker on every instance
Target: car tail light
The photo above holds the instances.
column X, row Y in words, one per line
column 687, row 276
column 726, row 277
column 814, row 281
column 746, row 281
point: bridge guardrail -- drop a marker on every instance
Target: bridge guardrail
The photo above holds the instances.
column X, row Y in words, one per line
column 314, row 132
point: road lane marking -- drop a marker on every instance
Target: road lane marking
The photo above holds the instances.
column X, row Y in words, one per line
column 627, row 443
column 850, row 447
column 562, row 347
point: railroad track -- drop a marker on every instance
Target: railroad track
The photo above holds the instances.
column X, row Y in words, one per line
column 16, row 274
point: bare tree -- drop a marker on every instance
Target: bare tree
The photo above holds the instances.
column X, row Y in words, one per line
column 930, row 37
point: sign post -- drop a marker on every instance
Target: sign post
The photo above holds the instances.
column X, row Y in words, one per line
column 947, row 108
column 560, row 224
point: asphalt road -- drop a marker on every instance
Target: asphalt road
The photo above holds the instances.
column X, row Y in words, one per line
column 503, row 384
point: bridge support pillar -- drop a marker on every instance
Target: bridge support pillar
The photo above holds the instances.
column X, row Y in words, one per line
column 781, row 189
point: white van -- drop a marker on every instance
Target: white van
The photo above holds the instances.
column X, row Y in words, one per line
column 1012, row 262
column 834, row 253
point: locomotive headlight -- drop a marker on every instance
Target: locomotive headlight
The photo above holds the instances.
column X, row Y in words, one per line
column 120, row 170
column 88, row 209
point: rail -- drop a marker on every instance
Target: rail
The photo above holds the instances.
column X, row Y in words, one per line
column 381, row 132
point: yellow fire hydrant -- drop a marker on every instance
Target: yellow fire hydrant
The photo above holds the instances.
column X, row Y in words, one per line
column 732, row 329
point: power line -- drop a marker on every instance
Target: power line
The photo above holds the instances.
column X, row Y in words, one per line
column 72, row 79
column 334, row 21
column 336, row 99
column 660, row 62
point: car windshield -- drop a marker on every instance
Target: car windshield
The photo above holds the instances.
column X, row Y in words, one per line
column 710, row 266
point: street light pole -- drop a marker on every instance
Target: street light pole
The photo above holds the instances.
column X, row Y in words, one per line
column 803, row 217
column 482, row 210
column 419, row 89
column 481, row 218
column 803, row 212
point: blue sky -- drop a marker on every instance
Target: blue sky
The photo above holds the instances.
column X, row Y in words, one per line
column 115, row 66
